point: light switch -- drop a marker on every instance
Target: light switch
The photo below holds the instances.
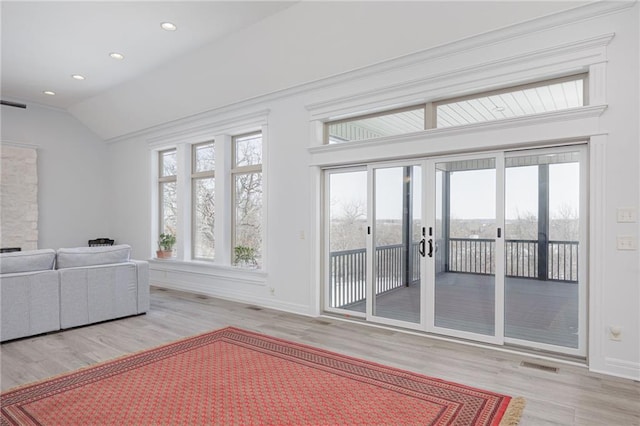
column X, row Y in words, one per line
column 627, row 242
column 627, row 215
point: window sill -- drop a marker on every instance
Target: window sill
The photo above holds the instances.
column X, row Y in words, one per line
column 195, row 267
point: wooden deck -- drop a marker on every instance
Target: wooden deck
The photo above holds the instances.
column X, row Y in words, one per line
column 536, row 311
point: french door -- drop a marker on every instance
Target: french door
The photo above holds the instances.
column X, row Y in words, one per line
column 489, row 247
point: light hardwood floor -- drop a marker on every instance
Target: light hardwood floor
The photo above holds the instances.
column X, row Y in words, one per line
column 572, row 396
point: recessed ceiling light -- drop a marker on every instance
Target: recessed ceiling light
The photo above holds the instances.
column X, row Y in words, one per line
column 49, row 92
column 168, row 26
column 116, row 55
column 77, row 77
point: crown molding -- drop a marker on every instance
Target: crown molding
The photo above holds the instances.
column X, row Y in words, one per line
column 567, row 17
column 201, row 127
column 573, row 56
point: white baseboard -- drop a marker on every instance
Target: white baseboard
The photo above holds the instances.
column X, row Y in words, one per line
column 619, row 368
column 237, row 296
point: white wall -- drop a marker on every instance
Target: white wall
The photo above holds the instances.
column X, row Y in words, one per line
column 72, row 174
column 293, row 197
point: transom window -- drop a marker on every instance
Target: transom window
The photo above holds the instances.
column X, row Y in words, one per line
column 535, row 98
column 547, row 96
column 371, row 126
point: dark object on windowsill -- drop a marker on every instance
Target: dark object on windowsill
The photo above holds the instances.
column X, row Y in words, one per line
column 101, row 242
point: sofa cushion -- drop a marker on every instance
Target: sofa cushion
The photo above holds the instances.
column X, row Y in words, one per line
column 27, row 261
column 87, row 256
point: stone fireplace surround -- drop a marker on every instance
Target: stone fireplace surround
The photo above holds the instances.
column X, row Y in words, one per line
column 18, row 196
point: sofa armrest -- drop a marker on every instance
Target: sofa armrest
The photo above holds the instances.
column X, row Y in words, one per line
column 142, row 267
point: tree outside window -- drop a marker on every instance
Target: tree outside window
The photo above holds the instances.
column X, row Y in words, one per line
column 247, row 200
column 203, row 198
column 167, row 191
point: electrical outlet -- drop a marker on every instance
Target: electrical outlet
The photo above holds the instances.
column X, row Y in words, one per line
column 301, row 235
column 627, row 242
column 272, row 291
column 627, row 215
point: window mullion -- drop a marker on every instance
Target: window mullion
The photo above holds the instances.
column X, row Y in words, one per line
column 247, row 169
column 223, row 199
column 202, row 175
column 167, row 179
column 183, row 196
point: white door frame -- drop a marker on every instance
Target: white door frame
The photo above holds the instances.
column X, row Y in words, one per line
column 427, row 269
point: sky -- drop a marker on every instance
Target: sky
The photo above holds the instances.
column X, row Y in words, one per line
column 473, row 194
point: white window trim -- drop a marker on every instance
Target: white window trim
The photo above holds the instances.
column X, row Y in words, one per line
column 565, row 126
column 240, row 170
column 544, row 64
column 159, row 181
column 221, row 132
column 569, row 124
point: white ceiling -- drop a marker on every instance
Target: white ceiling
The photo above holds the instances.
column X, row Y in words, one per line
column 44, row 43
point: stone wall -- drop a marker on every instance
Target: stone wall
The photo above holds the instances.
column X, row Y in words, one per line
column 18, row 197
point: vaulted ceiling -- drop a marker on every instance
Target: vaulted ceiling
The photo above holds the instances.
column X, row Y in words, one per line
column 222, row 52
column 44, row 43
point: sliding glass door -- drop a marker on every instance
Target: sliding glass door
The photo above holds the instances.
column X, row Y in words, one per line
column 466, row 227
column 395, row 285
column 545, row 249
column 487, row 247
column 346, row 237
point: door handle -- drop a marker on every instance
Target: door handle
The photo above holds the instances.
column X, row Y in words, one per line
column 421, row 247
column 430, row 247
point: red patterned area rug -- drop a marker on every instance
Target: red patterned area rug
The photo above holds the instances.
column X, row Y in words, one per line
column 233, row 376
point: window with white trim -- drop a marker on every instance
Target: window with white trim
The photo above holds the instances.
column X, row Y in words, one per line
column 246, row 181
column 388, row 123
column 210, row 195
column 514, row 101
column 203, row 200
column 167, row 191
column 528, row 99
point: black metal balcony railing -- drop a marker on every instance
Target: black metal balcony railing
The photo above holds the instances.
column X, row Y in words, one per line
column 471, row 255
column 522, row 258
column 476, row 256
column 348, row 271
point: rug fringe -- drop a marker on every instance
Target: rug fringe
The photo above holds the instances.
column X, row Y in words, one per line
column 514, row 412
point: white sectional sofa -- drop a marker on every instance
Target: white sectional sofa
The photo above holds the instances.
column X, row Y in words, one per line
column 45, row 290
column 29, row 294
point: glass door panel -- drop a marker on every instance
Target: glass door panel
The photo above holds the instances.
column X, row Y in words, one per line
column 465, row 246
column 396, row 243
column 542, row 248
column 347, row 235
